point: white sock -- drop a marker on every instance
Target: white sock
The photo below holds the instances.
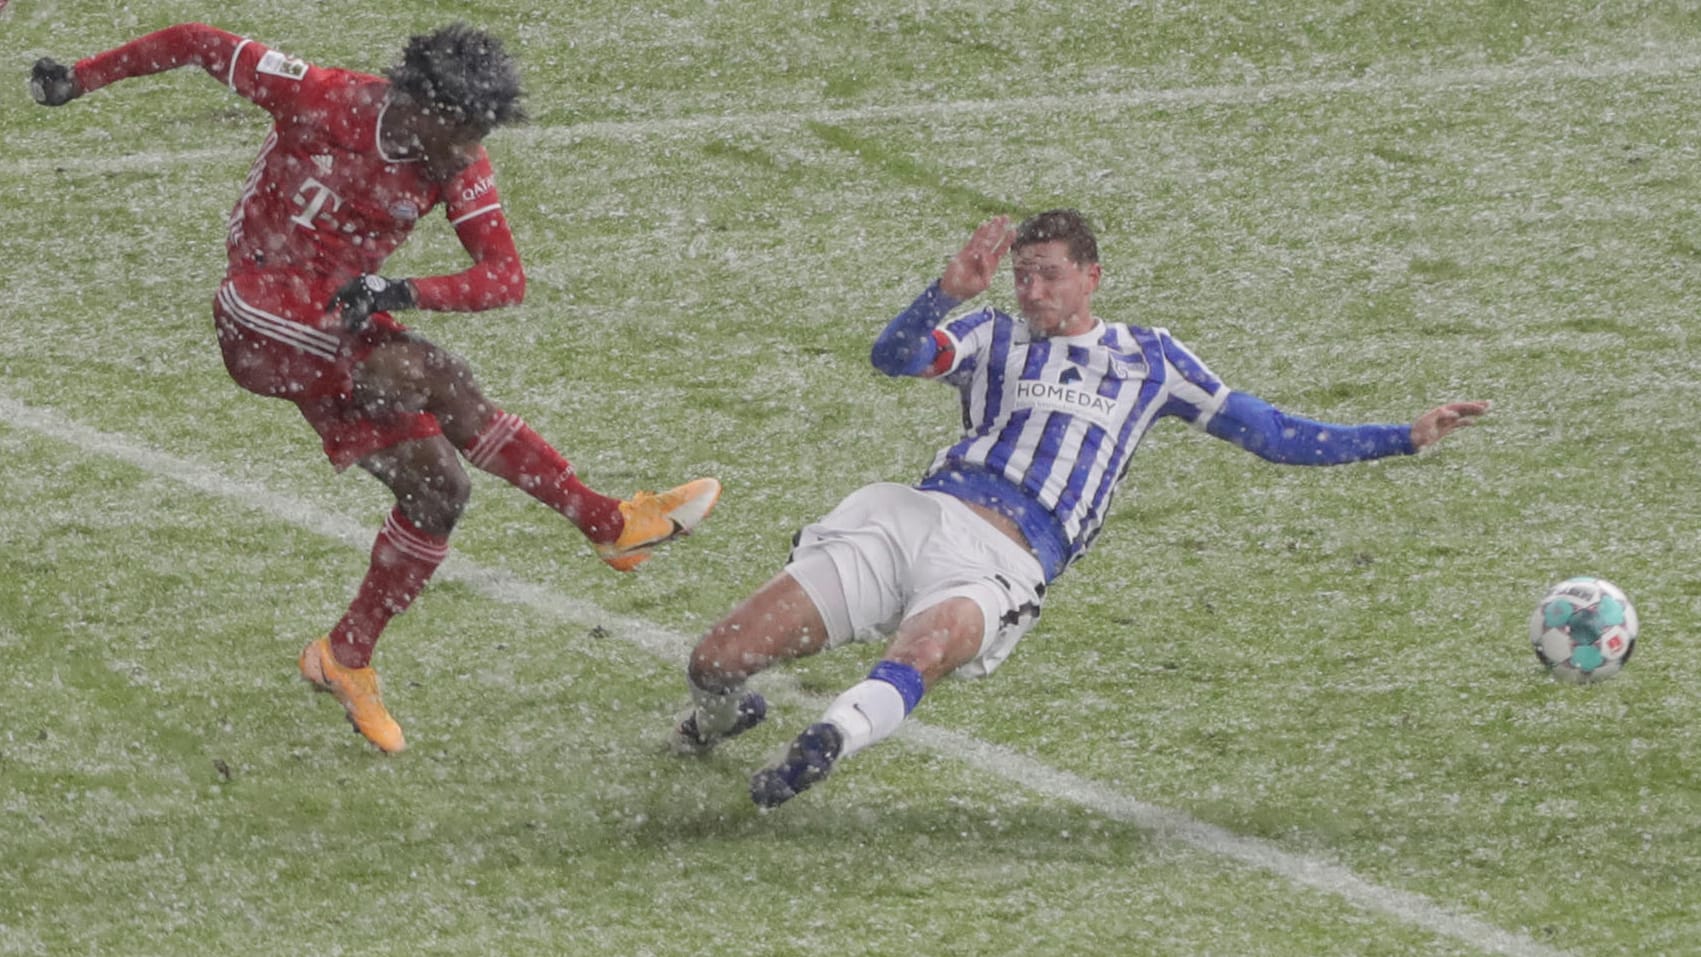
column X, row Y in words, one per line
column 868, row 712
column 717, row 711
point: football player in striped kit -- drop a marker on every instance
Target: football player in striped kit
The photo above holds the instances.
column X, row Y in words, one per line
column 351, row 165
column 953, row 570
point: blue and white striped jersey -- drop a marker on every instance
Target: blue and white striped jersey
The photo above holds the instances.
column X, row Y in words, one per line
column 1060, row 417
column 1051, row 423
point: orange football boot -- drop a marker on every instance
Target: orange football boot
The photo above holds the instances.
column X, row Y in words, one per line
column 357, row 690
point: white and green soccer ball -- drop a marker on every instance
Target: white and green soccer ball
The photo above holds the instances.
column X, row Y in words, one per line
column 1584, row 629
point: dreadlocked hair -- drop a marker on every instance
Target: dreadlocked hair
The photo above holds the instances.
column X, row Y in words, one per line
column 1063, row 225
column 462, row 73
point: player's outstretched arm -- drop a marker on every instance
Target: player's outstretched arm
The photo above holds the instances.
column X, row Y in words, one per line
column 53, row 83
column 1443, row 420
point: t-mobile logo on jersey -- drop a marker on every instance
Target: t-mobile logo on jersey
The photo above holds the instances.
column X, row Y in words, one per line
column 312, row 197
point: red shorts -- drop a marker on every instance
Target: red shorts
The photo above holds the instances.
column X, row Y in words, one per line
column 279, row 341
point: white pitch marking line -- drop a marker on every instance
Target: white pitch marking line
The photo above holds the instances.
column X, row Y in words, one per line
column 1162, row 823
column 1682, row 61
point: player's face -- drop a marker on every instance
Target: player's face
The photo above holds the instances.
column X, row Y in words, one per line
column 1054, row 292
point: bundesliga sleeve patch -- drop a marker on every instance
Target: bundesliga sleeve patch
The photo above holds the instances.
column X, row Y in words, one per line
column 281, row 64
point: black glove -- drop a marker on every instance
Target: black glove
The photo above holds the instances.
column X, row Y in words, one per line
column 53, row 84
column 364, row 295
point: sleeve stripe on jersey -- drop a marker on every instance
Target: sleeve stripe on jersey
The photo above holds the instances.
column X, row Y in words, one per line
column 230, row 77
column 475, row 213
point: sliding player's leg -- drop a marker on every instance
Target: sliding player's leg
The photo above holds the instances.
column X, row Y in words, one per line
column 929, row 645
column 966, row 594
column 777, row 623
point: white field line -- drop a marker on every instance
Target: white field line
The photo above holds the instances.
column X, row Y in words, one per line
column 1655, row 62
column 1682, row 62
column 1162, row 824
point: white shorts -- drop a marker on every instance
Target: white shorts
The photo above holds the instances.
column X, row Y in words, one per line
column 890, row 551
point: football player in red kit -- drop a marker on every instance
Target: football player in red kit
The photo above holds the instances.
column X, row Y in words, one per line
column 351, row 164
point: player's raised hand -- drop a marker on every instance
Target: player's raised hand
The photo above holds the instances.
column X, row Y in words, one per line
column 1442, row 421
column 362, row 296
column 53, row 83
column 970, row 271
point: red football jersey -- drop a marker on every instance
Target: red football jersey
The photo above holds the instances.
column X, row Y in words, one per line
column 323, row 196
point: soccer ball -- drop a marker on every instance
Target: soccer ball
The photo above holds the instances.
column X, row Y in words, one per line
column 1584, row 629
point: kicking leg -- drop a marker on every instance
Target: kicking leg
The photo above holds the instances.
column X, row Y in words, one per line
column 414, row 373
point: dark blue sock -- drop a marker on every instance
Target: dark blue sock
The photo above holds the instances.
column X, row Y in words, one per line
column 902, row 677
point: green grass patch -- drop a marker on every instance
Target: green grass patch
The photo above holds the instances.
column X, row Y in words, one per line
column 1356, row 211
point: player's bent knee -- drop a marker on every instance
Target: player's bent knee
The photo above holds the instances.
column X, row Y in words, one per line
column 454, row 488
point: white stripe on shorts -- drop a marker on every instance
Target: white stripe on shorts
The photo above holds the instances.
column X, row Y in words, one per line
column 262, row 323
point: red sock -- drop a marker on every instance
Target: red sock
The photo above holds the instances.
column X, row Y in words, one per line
column 508, row 448
column 403, row 558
